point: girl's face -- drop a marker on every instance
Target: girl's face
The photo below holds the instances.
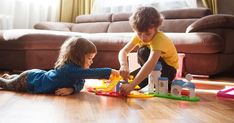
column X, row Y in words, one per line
column 147, row 36
column 89, row 60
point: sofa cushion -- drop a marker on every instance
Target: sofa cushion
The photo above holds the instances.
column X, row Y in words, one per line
column 115, row 27
column 57, row 26
column 41, row 39
column 14, row 34
column 174, row 18
column 197, row 42
column 176, row 25
column 186, row 13
column 95, row 27
column 120, row 23
column 109, row 41
column 92, row 23
column 93, row 18
column 121, row 17
column 34, row 42
column 31, row 39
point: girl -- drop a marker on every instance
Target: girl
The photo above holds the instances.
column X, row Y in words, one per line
column 72, row 67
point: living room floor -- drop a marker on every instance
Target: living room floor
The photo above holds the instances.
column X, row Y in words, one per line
column 88, row 107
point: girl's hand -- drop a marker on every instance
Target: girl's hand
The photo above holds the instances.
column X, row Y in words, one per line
column 64, row 91
column 126, row 89
column 114, row 74
column 124, row 72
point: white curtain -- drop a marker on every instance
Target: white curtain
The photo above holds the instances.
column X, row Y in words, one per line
column 21, row 14
column 116, row 6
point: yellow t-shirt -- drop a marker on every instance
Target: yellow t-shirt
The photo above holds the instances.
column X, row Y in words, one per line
column 161, row 43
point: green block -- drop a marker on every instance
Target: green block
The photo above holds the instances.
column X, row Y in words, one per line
column 169, row 96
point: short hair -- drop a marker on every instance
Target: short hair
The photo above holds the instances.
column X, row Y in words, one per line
column 144, row 18
column 73, row 50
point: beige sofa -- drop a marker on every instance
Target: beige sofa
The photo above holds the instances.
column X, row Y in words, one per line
column 207, row 40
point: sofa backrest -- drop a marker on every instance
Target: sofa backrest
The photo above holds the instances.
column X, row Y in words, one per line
column 179, row 20
column 175, row 21
column 92, row 23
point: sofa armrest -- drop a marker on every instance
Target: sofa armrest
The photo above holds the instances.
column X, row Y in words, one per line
column 220, row 24
column 57, row 26
column 212, row 22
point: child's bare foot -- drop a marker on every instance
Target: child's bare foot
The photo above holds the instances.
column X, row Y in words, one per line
column 6, row 76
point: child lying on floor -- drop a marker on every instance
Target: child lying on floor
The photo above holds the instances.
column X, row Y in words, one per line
column 72, row 67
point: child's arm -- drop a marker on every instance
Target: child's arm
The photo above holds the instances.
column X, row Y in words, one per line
column 124, row 68
column 76, row 87
column 91, row 73
column 143, row 73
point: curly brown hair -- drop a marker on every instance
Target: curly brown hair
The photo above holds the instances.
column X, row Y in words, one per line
column 73, row 50
column 145, row 18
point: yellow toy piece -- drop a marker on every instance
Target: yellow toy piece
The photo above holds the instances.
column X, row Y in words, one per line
column 131, row 80
column 114, row 80
column 101, row 86
column 136, row 94
column 113, row 83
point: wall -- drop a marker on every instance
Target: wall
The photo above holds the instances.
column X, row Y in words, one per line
column 224, row 6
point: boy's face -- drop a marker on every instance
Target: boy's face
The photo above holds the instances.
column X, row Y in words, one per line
column 146, row 36
column 89, row 60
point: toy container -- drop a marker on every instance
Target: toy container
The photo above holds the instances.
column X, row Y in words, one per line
column 153, row 78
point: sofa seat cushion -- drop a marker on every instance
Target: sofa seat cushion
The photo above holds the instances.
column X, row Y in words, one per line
column 41, row 39
column 34, row 42
column 14, row 34
column 184, row 42
column 31, row 39
column 197, row 42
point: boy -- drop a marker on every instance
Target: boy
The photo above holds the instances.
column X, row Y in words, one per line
column 154, row 46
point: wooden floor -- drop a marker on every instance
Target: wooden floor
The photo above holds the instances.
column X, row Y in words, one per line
column 86, row 107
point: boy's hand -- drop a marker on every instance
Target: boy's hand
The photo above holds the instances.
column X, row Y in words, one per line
column 64, row 91
column 124, row 72
column 126, row 89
